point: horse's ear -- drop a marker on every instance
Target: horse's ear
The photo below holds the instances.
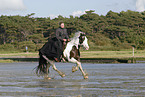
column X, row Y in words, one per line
column 84, row 34
column 81, row 34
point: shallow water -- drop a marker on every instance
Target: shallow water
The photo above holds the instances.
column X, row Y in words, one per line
column 19, row 79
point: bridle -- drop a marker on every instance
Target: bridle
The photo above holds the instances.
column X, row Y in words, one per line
column 81, row 38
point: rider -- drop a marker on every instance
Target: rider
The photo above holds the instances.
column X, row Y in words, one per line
column 62, row 35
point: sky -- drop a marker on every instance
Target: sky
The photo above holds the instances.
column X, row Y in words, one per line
column 65, row 8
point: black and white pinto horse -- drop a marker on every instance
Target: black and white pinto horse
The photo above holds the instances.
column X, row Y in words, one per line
column 71, row 53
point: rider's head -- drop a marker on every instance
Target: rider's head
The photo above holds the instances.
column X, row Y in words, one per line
column 61, row 24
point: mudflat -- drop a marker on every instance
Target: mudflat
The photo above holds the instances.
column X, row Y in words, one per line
column 19, row 79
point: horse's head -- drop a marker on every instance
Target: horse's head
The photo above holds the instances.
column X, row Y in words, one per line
column 83, row 41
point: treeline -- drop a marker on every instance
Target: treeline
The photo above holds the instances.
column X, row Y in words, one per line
column 115, row 31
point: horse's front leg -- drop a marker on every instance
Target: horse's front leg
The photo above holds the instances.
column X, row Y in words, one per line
column 59, row 72
column 75, row 68
column 78, row 66
column 81, row 69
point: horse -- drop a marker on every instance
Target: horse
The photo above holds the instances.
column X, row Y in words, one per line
column 71, row 53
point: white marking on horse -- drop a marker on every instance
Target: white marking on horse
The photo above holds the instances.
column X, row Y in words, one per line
column 75, row 41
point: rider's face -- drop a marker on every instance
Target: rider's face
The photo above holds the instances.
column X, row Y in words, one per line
column 62, row 25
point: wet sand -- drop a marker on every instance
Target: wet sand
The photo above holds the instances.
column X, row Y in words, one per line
column 117, row 80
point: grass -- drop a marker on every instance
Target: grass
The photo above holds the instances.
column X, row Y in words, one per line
column 18, row 54
column 6, row 61
column 139, row 55
column 84, row 54
column 112, row 54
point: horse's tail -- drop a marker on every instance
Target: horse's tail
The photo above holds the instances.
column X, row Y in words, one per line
column 41, row 68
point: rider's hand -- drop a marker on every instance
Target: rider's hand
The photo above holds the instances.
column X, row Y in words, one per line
column 64, row 39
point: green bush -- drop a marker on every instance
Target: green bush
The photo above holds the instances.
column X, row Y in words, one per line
column 99, row 39
column 7, row 47
column 31, row 46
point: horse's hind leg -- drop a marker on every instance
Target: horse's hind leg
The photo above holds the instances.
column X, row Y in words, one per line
column 47, row 71
column 54, row 67
column 59, row 72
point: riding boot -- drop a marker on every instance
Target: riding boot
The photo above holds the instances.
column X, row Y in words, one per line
column 56, row 59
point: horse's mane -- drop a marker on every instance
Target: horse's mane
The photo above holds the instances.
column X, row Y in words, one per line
column 74, row 39
column 76, row 35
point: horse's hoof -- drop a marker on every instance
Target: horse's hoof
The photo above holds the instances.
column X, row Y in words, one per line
column 86, row 77
column 47, row 78
column 74, row 69
column 63, row 75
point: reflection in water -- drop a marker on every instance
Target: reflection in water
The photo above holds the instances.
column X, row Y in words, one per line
column 18, row 79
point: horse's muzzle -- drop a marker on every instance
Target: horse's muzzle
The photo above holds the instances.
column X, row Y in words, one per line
column 86, row 47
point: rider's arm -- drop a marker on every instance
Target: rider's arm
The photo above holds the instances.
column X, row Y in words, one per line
column 66, row 35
